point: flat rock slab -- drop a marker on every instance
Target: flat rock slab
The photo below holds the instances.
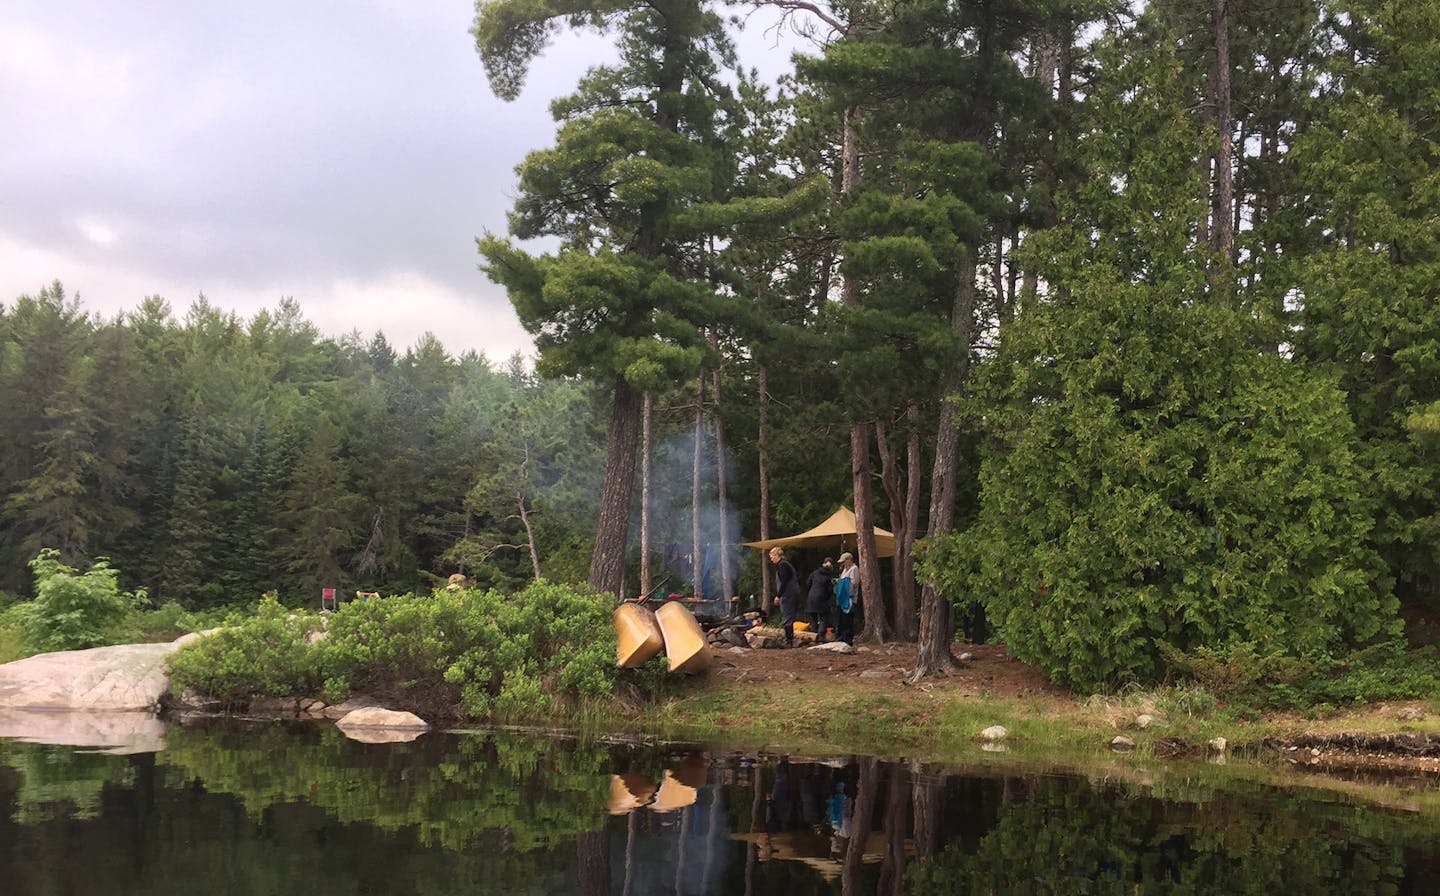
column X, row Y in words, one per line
column 123, row 678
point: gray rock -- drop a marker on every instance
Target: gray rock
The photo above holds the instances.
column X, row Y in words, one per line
column 995, row 732
column 875, row 673
column 1144, row 720
column 1122, row 744
column 341, row 710
column 835, row 647
column 123, row 678
column 1218, row 744
column 375, row 717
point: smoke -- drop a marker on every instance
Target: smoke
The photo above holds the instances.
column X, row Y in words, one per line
column 673, row 507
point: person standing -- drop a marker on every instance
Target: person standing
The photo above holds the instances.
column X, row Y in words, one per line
column 787, row 587
column 817, row 597
column 847, row 598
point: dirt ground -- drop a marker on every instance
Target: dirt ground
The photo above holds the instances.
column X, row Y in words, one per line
column 988, row 669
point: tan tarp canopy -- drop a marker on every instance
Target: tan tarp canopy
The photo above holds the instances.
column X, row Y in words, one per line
column 836, row 533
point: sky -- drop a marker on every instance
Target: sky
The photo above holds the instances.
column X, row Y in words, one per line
column 343, row 153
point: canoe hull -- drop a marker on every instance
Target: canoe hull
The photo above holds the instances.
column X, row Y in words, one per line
column 685, row 644
column 637, row 635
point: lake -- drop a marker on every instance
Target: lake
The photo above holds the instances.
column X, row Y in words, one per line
column 272, row 808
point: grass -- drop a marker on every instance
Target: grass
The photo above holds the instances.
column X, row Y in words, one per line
column 821, row 718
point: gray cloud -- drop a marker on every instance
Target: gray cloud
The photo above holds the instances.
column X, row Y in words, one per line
column 344, row 153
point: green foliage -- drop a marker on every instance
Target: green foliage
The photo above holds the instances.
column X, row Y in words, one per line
column 1152, row 480
column 264, row 655
column 74, row 610
column 481, row 653
column 168, row 622
column 1244, row 675
column 13, row 644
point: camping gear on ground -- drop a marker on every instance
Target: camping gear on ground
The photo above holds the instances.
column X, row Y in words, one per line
column 685, row 644
column 637, row 635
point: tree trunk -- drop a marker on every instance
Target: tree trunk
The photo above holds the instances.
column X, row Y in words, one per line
column 592, row 854
column 861, row 811
column 529, row 535
column 906, row 568
column 607, row 565
column 1222, row 226
column 897, row 802
column 647, row 450
column 927, row 796
column 722, row 496
column 872, row 601
column 937, row 627
column 902, row 524
column 762, row 438
column 697, row 571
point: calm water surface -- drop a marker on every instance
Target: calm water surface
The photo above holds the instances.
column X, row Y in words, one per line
column 276, row 809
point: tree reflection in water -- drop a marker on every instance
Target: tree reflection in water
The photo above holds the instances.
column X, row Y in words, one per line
column 269, row 809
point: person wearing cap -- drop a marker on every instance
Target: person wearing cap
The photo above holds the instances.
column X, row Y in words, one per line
column 847, row 598
column 787, row 586
column 817, row 597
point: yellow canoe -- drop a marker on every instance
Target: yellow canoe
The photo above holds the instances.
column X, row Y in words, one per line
column 685, row 644
column 637, row 635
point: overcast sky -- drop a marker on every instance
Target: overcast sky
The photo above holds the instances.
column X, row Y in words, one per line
column 345, row 153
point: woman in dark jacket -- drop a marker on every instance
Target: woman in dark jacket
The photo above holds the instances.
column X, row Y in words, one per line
column 787, row 595
column 817, row 598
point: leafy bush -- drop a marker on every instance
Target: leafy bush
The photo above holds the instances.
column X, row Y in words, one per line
column 265, row 655
column 74, row 610
column 499, row 655
column 1382, row 672
column 483, row 653
column 13, row 645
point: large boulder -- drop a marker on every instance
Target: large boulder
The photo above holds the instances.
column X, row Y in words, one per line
column 123, row 678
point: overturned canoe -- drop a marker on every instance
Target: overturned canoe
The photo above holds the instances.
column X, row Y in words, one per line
column 637, row 635
column 685, row 644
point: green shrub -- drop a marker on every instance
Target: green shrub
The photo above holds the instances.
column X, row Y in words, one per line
column 1385, row 671
column 265, row 655
column 13, row 644
column 483, row 653
column 74, row 610
column 495, row 654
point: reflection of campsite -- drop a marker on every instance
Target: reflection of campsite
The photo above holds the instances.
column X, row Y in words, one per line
column 707, row 818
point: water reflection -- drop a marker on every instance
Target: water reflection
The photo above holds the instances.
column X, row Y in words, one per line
column 274, row 808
